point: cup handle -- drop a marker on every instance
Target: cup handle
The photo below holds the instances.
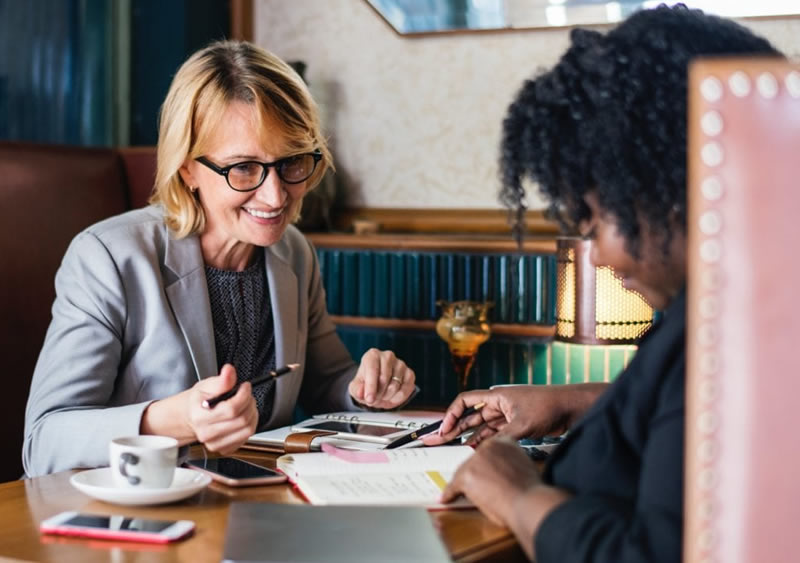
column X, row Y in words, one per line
column 125, row 459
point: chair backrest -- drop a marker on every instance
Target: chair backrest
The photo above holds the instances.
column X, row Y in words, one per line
column 47, row 195
column 742, row 457
column 140, row 170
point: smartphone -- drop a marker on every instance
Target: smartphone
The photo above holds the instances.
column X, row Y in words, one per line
column 540, row 449
column 236, row 472
column 355, row 431
column 116, row 527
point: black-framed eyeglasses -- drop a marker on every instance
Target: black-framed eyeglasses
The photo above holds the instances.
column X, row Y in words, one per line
column 248, row 175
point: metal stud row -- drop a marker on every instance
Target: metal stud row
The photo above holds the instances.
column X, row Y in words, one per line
column 740, row 85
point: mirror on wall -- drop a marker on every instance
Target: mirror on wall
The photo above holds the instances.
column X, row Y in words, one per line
column 421, row 17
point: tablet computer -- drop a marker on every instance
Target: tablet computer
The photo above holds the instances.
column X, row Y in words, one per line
column 358, row 431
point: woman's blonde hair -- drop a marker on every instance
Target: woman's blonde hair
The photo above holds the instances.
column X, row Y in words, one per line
column 203, row 88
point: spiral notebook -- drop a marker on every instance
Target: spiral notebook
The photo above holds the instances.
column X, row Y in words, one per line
column 274, row 440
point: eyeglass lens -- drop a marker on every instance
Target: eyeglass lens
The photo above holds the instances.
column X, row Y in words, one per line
column 292, row 170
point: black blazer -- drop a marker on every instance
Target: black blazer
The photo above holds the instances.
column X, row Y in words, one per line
column 624, row 461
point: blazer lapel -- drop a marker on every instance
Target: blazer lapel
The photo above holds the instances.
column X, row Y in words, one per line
column 188, row 297
column 283, row 297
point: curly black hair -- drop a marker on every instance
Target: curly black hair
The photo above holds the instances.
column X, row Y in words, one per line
column 611, row 117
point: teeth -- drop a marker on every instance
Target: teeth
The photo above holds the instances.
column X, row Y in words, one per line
column 263, row 215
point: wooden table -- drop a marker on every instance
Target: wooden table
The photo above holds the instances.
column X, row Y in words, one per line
column 468, row 535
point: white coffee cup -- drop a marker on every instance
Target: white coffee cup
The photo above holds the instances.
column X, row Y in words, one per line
column 146, row 462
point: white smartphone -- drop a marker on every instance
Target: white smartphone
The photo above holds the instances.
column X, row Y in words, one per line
column 236, row 472
column 116, row 527
column 354, row 430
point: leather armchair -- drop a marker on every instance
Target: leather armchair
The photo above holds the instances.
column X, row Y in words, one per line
column 47, row 195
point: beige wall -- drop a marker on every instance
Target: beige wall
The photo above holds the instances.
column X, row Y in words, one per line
column 415, row 122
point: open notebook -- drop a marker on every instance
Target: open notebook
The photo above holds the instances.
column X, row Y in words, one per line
column 414, row 476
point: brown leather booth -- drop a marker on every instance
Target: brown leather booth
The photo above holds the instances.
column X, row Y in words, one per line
column 47, row 195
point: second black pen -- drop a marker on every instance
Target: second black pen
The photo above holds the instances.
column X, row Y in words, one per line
column 410, row 437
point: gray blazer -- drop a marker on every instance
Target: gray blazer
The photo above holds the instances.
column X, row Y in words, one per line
column 132, row 324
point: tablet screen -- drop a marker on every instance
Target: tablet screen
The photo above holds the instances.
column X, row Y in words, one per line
column 353, row 428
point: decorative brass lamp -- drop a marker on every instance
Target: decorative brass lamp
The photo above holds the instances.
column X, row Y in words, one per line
column 592, row 306
column 464, row 327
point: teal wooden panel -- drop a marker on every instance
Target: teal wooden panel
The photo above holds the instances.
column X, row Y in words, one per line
column 578, row 363
column 541, row 362
column 56, row 72
column 408, row 284
column 559, row 363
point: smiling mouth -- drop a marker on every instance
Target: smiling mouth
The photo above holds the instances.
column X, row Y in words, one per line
column 264, row 214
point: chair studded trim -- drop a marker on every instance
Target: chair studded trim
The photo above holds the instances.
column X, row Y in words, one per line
column 742, row 455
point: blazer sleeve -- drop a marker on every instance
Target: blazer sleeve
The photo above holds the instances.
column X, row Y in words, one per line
column 602, row 528
column 329, row 366
column 68, row 419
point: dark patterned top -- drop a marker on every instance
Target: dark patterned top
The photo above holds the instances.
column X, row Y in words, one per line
column 244, row 334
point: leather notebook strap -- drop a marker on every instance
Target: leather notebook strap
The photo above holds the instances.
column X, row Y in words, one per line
column 300, row 442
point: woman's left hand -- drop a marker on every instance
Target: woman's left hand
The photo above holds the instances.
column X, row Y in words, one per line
column 383, row 381
column 505, row 485
column 493, row 477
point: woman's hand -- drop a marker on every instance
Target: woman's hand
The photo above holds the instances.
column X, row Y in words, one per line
column 501, row 481
column 497, row 473
column 383, row 381
column 222, row 428
column 519, row 411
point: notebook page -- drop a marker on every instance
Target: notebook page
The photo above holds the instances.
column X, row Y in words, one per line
column 444, row 459
column 416, row 488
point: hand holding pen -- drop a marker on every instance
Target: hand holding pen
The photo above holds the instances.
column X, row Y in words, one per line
column 517, row 411
column 272, row 374
column 416, row 434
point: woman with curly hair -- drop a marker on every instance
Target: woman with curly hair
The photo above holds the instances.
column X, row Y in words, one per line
column 603, row 134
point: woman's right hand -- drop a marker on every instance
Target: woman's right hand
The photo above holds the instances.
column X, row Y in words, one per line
column 517, row 411
column 222, row 428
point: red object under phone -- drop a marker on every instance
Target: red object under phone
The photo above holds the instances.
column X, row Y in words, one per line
column 105, row 534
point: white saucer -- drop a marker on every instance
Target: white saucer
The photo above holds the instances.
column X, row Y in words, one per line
column 98, row 483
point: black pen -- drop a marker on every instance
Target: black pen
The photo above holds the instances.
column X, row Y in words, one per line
column 405, row 439
column 209, row 403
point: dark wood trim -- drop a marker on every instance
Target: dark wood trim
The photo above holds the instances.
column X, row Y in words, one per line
column 523, row 330
column 431, row 243
column 242, row 20
column 408, row 220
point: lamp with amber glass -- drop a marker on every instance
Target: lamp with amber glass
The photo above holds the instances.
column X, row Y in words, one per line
column 598, row 321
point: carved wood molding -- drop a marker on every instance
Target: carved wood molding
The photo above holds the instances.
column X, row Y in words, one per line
column 431, row 243
column 475, row 221
column 242, row 20
column 500, row 329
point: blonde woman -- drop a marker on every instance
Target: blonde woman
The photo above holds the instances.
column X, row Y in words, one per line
column 161, row 308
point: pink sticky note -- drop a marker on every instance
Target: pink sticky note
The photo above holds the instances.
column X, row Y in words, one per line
column 354, row 456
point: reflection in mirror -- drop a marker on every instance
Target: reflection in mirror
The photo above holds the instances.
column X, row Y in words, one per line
column 409, row 17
